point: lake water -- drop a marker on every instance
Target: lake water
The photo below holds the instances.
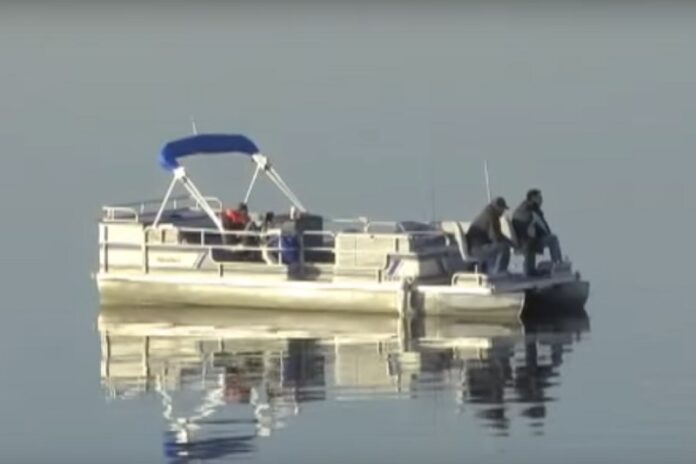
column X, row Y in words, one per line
column 365, row 109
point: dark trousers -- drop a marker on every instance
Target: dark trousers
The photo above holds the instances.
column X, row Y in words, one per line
column 495, row 256
column 538, row 246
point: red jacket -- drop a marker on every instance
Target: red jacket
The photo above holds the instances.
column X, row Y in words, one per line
column 234, row 219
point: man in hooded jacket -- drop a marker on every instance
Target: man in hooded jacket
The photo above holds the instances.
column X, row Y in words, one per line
column 533, row 232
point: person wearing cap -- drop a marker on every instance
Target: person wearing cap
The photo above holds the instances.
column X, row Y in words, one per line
column 533, row 232
column 486, row 240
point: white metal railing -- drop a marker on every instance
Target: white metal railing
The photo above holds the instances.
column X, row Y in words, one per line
column 132, row 212
column 203, row 232
column 271, row 245
column 270, row 254
column 474, row 277
column 236, row 234
column 119, row 213
column 268, row 241
column 398, row 227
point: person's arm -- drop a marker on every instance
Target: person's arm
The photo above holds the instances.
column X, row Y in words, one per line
column 498, row 234
column 543, row 221
column 538, row 220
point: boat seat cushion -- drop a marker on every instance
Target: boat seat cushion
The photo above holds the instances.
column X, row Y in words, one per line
column 457, row 230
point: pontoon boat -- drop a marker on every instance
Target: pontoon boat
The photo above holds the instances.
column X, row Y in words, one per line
column 181, row 250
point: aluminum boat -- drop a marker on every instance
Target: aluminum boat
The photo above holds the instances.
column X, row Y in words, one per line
column 180, row 250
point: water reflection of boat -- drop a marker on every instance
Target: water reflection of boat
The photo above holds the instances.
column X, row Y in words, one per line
column 226, row 377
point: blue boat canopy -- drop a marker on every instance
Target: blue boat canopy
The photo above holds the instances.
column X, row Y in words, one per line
column 204, row 144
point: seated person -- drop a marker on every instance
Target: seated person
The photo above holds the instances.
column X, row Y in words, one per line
column 533, row 232
column 267, row 221
column 485, row 239
column 235, row 219
column 258, row 242
column 239, row 220
column 268, row 242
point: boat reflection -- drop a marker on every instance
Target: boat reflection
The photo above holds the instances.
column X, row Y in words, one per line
column 227, row 377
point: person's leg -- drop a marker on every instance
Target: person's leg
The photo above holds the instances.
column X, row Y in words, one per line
column 488, row 258
column 486, row 255
column 529, row 260
column 503, row 257
column 551, row 242
column 491, row 260
column 497, row 256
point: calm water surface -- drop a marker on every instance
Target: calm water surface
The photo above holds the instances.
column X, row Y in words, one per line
column 382, row 111
column 233, row 383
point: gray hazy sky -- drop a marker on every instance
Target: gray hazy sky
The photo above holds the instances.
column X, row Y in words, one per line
column 366, row 109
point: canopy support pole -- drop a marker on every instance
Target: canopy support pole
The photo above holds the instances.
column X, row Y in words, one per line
column 280, row 183
column 160, row 211
column 251, row 185
column 180, row 175
column 196, row 194
column 263, row 163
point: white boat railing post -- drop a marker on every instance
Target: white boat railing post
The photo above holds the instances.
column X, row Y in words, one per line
column 488, row 180
column 404, row 297
column 404, row 333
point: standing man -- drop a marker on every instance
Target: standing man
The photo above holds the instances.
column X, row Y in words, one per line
column 533, row 232
column 485, row 239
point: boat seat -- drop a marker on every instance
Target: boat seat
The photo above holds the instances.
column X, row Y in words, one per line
column 509, row 231
column 457, row 230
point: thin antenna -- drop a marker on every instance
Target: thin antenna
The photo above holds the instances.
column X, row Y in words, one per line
column 488, row 180
column 432, row 189
column 193, row 125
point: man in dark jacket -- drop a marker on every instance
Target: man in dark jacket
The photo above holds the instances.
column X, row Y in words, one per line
column 485, row 239
column 533, row 232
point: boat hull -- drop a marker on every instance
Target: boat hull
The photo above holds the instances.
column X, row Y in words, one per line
column 309, row 296
column 566, row 298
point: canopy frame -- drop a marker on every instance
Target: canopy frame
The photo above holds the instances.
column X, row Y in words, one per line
column 180, row 177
